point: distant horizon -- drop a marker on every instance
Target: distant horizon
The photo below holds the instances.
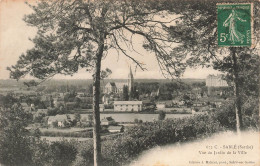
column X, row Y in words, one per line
column 108, row 79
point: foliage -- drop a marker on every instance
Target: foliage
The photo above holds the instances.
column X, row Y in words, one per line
column 38, row 117
column 147, row 135
column 78, row 34
column 83, row 34
column 77, row 117
column 56, row 153
column 14, row 138
column 125, row 93
column 147, row 88
column 85, row 155
column 7, row 101
column 248, row 72
column 123, row 149
column 55, row 123
column 63, row 153
column 251, row 113
column 226, row 116
column 38, row 103
column 161, row 115
column 196, row 31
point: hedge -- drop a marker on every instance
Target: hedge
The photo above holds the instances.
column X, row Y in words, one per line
column 124, row 149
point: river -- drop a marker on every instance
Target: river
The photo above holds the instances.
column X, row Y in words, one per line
column 130, row 117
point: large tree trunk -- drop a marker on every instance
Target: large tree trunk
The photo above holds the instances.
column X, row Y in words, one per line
column 96, row 112
column 239, row 122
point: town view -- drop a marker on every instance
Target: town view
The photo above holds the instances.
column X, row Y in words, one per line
column 129, row 83
column 63, row 108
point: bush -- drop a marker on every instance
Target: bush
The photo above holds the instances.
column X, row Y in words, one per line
column 63, row 153
column 250, row 110
column 124, row 149
column 15, row 140
column 85, row 155
column 226, row 116
column 161, row 115
column 60, row 153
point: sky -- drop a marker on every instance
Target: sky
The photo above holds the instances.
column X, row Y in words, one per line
column 14, row 40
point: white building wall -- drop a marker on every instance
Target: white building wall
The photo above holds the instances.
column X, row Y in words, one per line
column 127, row 107
column 215, row 81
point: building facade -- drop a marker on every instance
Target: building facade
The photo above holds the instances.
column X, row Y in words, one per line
column 127, row 106
column 110, row 87
column 216, row 81
column 117, row 87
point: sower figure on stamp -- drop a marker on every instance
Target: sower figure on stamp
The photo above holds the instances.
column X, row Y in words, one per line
column 234, row 34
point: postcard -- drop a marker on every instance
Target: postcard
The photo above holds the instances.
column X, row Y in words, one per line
column 129, row 83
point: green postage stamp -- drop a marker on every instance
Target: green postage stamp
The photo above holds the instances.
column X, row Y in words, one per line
column 235, row 23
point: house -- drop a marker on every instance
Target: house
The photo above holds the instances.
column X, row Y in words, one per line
column 218, row 103
column 178, row 102
column 107, row 121
column 110, row 87
column 160, row 105
column 81, row 94
column 25, row 106
column 61, row 119
column 58, row 101
column 115, row 129
column 216, row 81
column 125, row 106
column 114, row 87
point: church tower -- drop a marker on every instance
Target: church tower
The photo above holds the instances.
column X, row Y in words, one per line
column 130, row 81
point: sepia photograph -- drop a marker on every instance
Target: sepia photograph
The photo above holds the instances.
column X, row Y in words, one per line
column 129, row 82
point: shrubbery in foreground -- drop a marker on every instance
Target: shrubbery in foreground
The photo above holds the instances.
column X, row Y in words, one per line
column 147, row 135
column 116, row 150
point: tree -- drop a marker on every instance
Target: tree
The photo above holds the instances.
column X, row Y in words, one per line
column 90, row 119
column 55, row 124
column 77, row 117
column 7, row 101
column 14, row 139
column 196, row 31
column 161, row 115
column 248, row 79
column 125, row 93
column 76, row 34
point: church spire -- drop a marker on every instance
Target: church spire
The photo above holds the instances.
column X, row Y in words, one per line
column 130, row 80
column 131, row 74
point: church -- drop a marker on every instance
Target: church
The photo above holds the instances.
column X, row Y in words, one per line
column 117, row 87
